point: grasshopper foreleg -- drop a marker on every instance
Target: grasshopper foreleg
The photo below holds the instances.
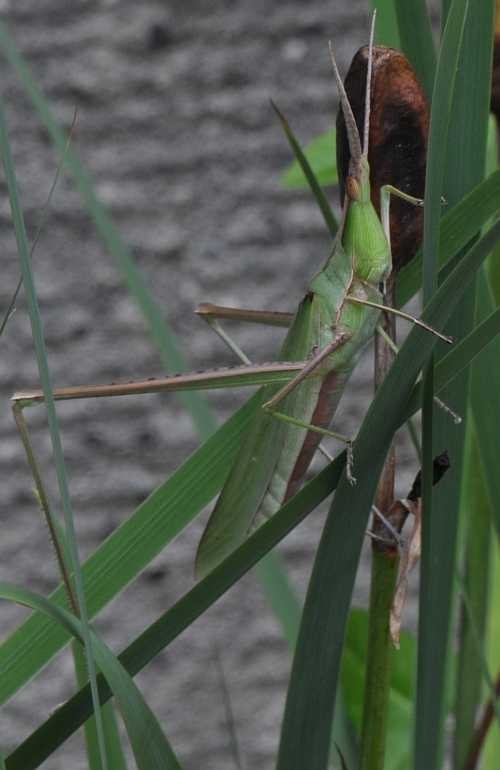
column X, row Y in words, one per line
column 390, row 342
column 401, row 314
column 313, row 364
column 385, row 202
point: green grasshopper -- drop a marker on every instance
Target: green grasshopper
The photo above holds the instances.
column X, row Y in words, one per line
column 333, row 324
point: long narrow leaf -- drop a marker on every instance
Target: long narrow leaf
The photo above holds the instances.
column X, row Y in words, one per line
column 309, row 174
column 491, row 750
column 114, row 751
column 485, row 397
column 477, row 519
column 386, row 31
column 416, row 39
column 288, row 611
column 321, row 155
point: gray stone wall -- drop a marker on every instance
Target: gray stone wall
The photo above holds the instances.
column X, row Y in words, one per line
column 175, row 126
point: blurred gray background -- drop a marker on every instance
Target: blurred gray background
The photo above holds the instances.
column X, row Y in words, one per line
column 175, row 126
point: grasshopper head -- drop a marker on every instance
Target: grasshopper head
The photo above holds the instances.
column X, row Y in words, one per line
column 358, row 180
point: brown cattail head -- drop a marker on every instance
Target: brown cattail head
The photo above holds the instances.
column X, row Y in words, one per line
column 399, row 125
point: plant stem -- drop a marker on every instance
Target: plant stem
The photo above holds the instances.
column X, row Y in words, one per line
column 383, row 580
column 378, row 667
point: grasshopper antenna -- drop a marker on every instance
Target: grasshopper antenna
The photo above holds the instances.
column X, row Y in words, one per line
column 350, row 122
column 366, row 128
column 351, row 127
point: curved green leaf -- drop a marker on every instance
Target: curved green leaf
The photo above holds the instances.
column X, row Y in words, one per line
column 151, row 749
column 321, row 154
column 308, row 173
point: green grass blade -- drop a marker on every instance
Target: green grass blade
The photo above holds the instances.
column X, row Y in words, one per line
column 311, row 693
column 225, row 695
column 45, row 379
column 487, row 675
column 458, row 226
column 70, row 716
column 321, row 155
column 283, row 600
column 151, row 749
column 491, row 750
column 114, row 752
column 170, row 355
column 386, row 30
column 129, row 549
column 442, row 99
column 476, row 515
column 288, row 611
column 485, row 392
column 416, row 40
column 307, row 171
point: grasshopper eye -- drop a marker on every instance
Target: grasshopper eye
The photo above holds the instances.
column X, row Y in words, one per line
column 352, row 188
